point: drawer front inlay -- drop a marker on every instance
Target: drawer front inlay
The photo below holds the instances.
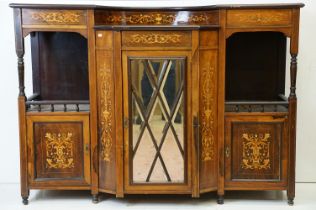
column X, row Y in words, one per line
column 246, row 18
column 53, row 17
column 156, row 39
column 156, row 18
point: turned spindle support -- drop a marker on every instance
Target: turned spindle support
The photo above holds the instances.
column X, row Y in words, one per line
column 293, row 72
column 292, row 129
column 19, row 47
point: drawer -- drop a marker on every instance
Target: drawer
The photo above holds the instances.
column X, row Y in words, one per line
column 255, row 150
column 106, row 17
column 49, row 17
column 58, row 150
column 156, row 39
column 259, row 18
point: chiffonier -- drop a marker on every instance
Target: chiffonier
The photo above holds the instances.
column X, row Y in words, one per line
column 158, row 100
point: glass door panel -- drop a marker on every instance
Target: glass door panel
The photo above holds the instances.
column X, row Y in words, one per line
column 157, row 142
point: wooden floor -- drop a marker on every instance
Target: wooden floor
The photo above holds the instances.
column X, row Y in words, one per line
column 77, row 200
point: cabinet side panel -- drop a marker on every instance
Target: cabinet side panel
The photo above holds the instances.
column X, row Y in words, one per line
column 106, row 121
column 208, row 119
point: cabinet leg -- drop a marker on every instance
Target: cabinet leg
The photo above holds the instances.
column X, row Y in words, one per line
column 290, row 201
column 291, row 194
column 25, row 195
column 25, row 200
column 95, row 198
column 220, row 199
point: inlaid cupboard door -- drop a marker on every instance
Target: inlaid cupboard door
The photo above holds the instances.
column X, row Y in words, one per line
column 59, row 151
column 157, row 121
column 256, row 149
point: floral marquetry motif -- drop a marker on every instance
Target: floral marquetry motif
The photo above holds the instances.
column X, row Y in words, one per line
column 198, row 18
column 106, row 107
column 154, row 18
column 59, row 150
column 155, row 38
column 208, row 114
column 262, row 18
column 259, row 18
column 256, row 154
column 143, row 19
column 56, row 17
column 48, row 17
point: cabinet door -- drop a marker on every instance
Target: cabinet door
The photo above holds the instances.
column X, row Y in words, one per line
column 256, row 151
column 157, row 121
column 59, row 151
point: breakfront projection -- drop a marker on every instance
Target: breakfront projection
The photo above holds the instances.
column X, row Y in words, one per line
column 158, row 100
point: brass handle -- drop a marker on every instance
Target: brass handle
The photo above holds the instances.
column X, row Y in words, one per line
column 227, row 152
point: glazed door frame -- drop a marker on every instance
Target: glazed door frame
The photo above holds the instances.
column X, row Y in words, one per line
column 184, row 187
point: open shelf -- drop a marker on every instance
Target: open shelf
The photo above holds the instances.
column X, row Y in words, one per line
column 255, row 66
column 60, row 66
column 60, row 73
column 255, row 72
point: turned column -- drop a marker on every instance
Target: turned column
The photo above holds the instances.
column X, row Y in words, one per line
column 19, row 47
column 293, row 107
column 293, row 70
column 292, row 130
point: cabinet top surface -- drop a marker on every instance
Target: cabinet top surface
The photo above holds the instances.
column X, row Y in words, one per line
column 156, row 5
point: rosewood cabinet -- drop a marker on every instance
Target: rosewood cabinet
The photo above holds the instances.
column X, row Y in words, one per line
column 158, row 100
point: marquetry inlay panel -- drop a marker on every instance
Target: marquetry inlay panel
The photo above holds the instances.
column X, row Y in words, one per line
column 59, row 150
column 53, row 17
column 156, row 39
column 156, row 18
column 106, row 106
column 257, row 18
column 208, row 104
column 256, row 152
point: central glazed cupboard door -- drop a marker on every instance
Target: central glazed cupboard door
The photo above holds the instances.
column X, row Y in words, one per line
column 157, row 121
